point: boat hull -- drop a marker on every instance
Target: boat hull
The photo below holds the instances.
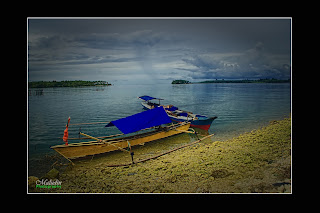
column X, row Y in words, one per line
column 76, row 150
column 201, row 124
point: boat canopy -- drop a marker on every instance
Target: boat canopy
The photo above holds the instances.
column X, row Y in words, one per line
column 142, row 120
column 148, row 98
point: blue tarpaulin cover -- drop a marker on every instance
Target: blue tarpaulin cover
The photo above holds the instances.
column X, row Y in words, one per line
column 142, row 120
column 148, row 98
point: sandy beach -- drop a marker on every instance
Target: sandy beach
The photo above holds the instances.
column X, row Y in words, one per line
column 253, row 162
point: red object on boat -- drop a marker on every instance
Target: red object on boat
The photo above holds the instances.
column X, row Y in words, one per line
column 65, row 133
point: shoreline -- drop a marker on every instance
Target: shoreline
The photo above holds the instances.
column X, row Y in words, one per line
column 253, row 162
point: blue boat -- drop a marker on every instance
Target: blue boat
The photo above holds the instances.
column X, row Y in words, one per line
column 177, row 115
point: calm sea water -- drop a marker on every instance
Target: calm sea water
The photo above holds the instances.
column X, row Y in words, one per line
column 239, row 107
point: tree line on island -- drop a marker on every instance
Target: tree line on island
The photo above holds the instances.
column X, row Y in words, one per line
column 266, row 80
column 78, row 83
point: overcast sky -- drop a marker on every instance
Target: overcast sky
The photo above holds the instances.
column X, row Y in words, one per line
column 158, row 50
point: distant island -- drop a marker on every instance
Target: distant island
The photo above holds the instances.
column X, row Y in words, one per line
column 266, row 80
column 181, row 82
column 79, row 83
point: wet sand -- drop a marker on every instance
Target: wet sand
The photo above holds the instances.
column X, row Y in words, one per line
column 253, row 162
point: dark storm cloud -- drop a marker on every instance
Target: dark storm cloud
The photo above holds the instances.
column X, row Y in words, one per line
column 152, row 48
column 252, row 63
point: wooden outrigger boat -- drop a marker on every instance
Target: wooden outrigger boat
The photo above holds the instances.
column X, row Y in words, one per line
column 144, row 120
column 177, row 115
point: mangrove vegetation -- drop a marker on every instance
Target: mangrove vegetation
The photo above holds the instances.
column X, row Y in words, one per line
column 180, row 82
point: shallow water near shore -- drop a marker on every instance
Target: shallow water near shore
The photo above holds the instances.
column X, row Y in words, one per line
column 239, row 107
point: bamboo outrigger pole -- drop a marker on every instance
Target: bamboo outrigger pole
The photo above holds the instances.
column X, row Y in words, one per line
column 103, row 141
column 90, row 123
column 156, row 156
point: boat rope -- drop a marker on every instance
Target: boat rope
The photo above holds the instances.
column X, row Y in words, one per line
column 156, row 156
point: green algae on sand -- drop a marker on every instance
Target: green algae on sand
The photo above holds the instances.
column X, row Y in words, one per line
column 254, row 162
